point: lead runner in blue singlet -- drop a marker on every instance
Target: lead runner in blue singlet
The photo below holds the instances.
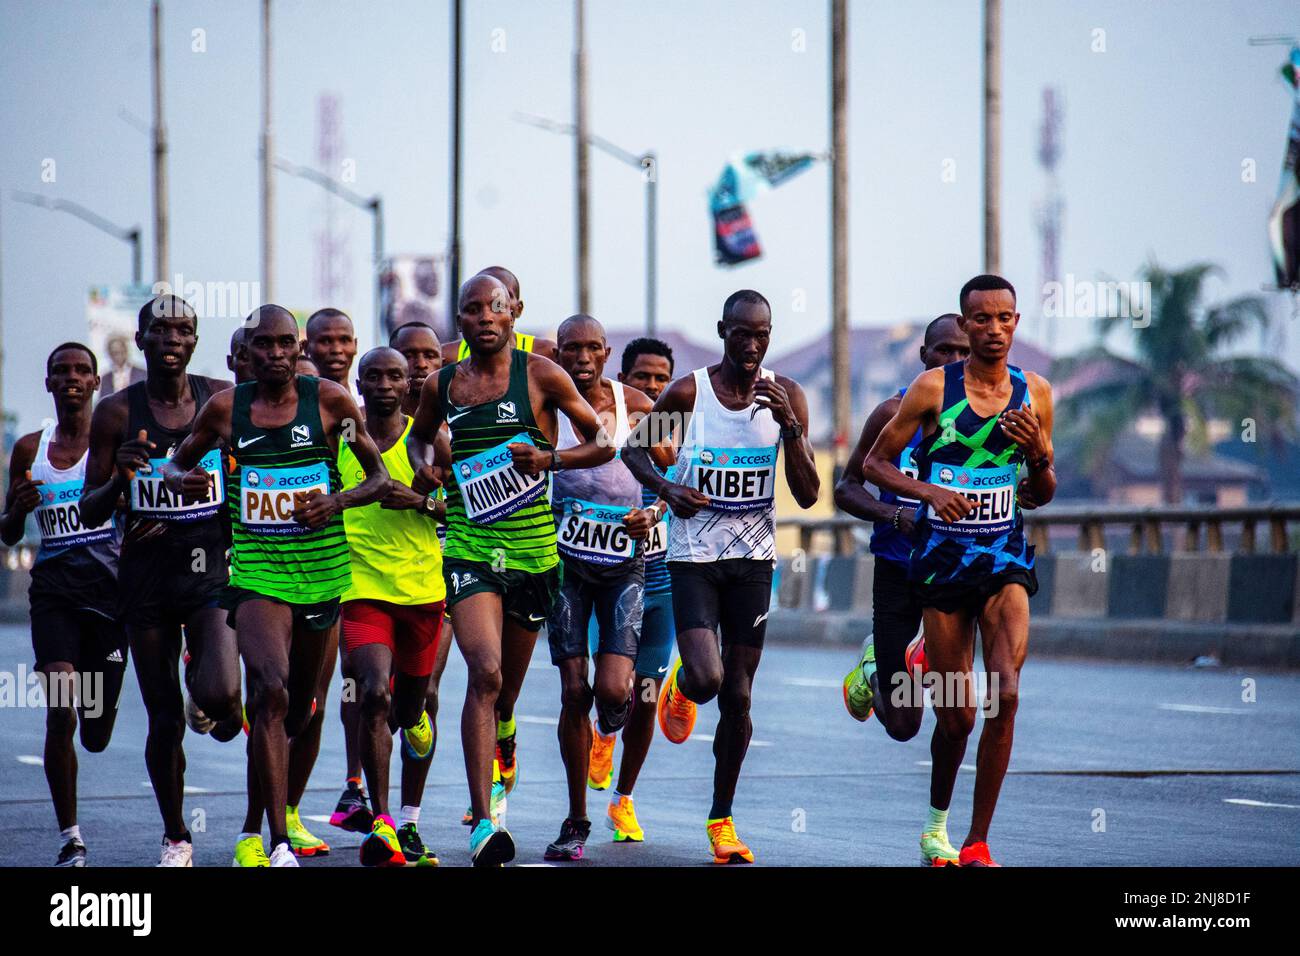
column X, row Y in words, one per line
column 984, row 422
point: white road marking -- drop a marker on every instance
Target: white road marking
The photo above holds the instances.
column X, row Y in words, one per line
column 708, row 739
column 927, row 763
column 30, row 760
column 534, row 864
column 1242, row 802
column 1203, row 709
column 812, row 682
column 317, row 817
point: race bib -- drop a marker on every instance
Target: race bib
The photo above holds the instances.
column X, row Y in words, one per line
column 490, row 486
column 736, row 479
column 594, row 532
column 60, row 521
column 656, row 542
column 150, row 498
column 907, row 465
column 267, row 496
column 993, row 490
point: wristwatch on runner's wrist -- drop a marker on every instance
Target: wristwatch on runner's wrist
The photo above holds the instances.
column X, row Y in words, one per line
column 430, row 505
column 556, row 464
column 794, row 431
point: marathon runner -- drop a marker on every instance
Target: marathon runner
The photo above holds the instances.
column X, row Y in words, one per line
column 458, row 349
column 289, row 559
column 722, row 542
column 982, row 420
column 331, row 345
column 894, row 645
column 173, row 563
column 80, row 647
column 500, row 561
column 648, row 367
column 600, row 524
column 392, row 613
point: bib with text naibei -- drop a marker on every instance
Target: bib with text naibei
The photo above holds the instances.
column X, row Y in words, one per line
column 267, row 496
column 150, row 498
column 736, row 479
column 492, row 488
column 594, row 533
column 60, row 520
column 992, row 490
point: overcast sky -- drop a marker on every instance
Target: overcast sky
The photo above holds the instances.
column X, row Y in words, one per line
column 1157, row 128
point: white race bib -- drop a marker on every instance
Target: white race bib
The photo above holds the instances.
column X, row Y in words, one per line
column 267, row 496
column 491, row 488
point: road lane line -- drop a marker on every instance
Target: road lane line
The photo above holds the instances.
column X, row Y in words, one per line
column 1203, row 709
column 31, row 760
column 1243, row 802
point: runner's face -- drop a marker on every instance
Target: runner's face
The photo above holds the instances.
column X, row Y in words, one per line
column 333, row 347
column 650, row 374
column 949, row 345
column 237, row 362
column 990, row 320
column 485, row 319
column 272, row 350
column 71, row 380
column 422, row 351
column 383, row 383
column 168, row 343
column 745, row 335
column 583, row 353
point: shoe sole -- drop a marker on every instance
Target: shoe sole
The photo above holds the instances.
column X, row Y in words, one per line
column 310, row 851
column 352, row 822
column 599, row 785
column 563, row 855
column 380, row 854
column 731, row 858
column 497, row 850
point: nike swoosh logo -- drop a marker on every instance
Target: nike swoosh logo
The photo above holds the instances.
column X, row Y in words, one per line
column 452, row 418
column 534, row 618
column 761, row 618
column 245, row 444
column 664, row 669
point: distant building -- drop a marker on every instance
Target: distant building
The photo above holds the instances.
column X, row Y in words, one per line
column 1133, row 476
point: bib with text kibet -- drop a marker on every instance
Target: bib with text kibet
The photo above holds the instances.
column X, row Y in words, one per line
column 736, row 479
column 267, row 496
column 992, row 490
column 59, row 519
column 594, row 532
column 151, row 498
column 492, row 488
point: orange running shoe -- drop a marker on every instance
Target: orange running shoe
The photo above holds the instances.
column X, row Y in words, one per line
column 977, row 854
column 676, row 712
column 621, row 818
column 600, row 764
column 726, row 846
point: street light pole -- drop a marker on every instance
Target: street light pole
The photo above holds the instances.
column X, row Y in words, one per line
column 453, row 244
column 583, row 209
column 161, row 248
column 993, row 136
column 268, row 177
column 126, row 234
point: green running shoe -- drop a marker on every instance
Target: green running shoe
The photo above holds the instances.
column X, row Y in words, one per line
column 490, row 845
column 858, row 696
column 417, row 741
column 937, row 851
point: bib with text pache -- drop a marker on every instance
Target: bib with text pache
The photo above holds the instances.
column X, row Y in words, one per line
column 150, row 498
column 736, row 479
column 993, row 491
column 267, row 496
column 60, row 520
column 491, row 488
column 594, row 532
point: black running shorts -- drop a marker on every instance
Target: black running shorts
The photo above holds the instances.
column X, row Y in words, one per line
column 730, row 597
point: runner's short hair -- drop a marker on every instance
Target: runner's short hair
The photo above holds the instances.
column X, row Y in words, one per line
column 167, row 304
column 933, row 327
column 94, row 361
column 984, row 283
column 417, row 324
column 646, row 346
column 326, row 313
column 746, row 296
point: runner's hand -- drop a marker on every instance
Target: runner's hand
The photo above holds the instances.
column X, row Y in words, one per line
column 314, row 509
column 27, row 497
column 426, row 481
column 638, row 522
column 1021, row 426
column 1023, row 498
column 907, row 522
column 402, row 497
column 134, row 454
column 685, row 502
column 948, row 505
column 773, row 397
column 196, row 485
column 529, row 460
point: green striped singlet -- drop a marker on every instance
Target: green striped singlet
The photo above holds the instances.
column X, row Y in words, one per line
column 272, row 554
column 494, row 514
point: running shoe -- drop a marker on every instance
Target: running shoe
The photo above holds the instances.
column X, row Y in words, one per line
column 977, row 854
column 621, row 818
column 507, row 762
column 417, row 742
column 676, row 712
column 600, row 763
column 936, row 850
column 724, row 843
column 302, row 840
column 249, row 852
column 352, row 812
column 491, row 845
column 282, row 855
column 858, row 695
column 176, row 853
column 195, row 719
column 413, row 847
column 914, row 657
column 381, row 848
column 498, row 796
column 72, row 854
column 568, row 845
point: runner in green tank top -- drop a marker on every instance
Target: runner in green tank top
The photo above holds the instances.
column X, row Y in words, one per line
column 500, row 560
column 289, row 560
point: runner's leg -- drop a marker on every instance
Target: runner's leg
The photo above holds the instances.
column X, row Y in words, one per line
column 731, row 740
column 949, row 648
column 373, row 666
column 60, row 755
column 156, row 651
column 305, row 747
column 214, row 667
column 479, row 636
column 265, row 631
column 574, row 730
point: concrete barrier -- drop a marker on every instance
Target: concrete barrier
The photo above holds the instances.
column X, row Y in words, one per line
column 1198, row 587
column 1136, row 585
column 1261, row 588
column 1078, row 590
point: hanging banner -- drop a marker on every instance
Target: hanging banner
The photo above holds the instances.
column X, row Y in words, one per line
column 1284, row 220
column 744, row 178
column 112, row 313
column 410, row 291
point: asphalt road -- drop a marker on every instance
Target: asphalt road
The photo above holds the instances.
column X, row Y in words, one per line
column 1114, row 764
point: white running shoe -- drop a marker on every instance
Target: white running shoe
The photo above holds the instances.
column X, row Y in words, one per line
column 176, row 854
column 197, row 720
column 282, row 855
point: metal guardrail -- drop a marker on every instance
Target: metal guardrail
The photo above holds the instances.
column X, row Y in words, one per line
column 1146, row 527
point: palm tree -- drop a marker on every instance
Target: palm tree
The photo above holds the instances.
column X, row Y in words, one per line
column 1180, row 372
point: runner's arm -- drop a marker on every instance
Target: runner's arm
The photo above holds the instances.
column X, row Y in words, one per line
column 851, row 495
column 340, row 408
column 423, row 437
column 596, row 447
column 661, row 429
column 211, row 427
column 110, row 462
column 1031, row 429
column 789, row 406
column 22, row 497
